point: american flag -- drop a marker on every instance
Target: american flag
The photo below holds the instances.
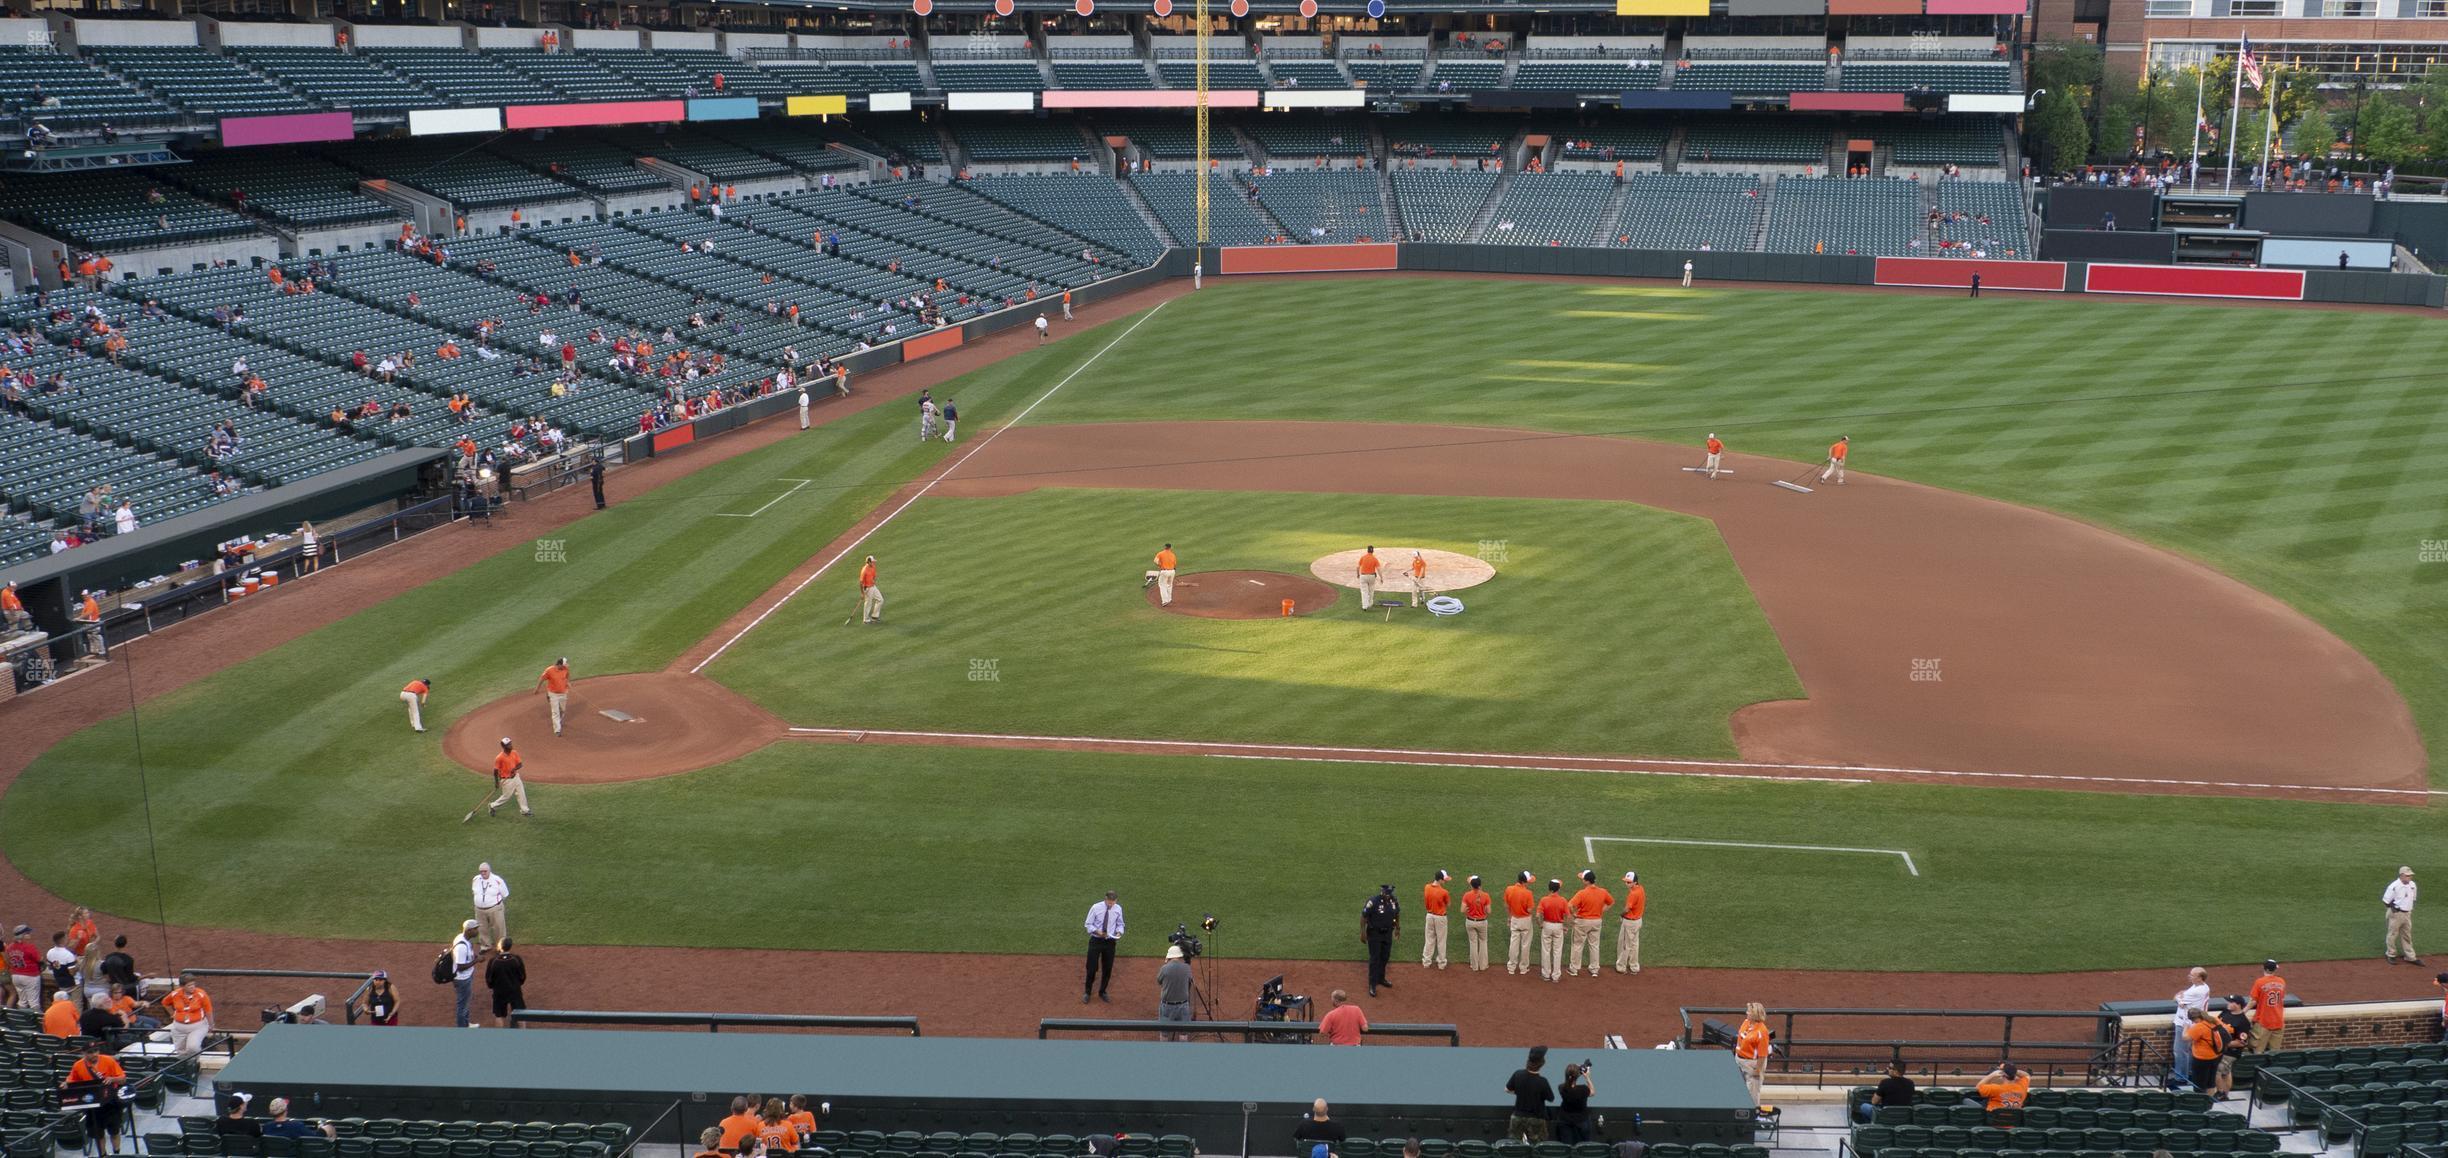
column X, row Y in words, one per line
column 2250, row 66
column 2202, row 125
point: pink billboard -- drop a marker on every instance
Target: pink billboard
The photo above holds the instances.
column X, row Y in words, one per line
column 1162, row 98
column 605, row 113
column 287, row 130
column 1850, row 102
column 1976, row 7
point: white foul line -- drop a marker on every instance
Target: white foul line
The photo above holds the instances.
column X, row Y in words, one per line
column 1589, row 847
column 769, row 502
column 1547, row 768
column 981, row 444
column 1378, row 756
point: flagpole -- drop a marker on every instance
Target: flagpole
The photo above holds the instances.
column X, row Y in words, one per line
column 2269, row 134
column 2235, row 108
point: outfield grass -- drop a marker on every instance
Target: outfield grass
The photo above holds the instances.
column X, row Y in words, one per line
column 288, row 796
column 1040, row 588
column 2296, row 449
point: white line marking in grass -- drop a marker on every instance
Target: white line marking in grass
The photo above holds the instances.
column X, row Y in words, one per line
column 1589, row 847
column 1377, row 756
column 769, row 502
column 1544, row 768
column 979, row 445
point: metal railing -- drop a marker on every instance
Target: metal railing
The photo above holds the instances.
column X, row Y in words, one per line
column 349, row 1005
column 1808, row 1050
column 713, row 1022
column 1269, row 1030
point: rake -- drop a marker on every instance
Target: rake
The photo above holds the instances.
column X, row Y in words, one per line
column 1796, row 483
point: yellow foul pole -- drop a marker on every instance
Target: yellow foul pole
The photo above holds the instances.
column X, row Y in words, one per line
column 1199, row 11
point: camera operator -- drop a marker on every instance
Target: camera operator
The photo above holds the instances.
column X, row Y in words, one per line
column 1173, row 992
column 1572, row 1115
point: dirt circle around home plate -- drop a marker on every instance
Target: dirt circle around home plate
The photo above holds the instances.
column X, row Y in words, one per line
column 1447, row 570
column 1245, row 594
column 675, row 723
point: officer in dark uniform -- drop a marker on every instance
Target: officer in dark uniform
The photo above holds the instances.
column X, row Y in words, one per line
column 1380, row 920
column 595, row 476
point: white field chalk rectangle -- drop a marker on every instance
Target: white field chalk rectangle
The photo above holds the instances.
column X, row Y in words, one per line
column 796, row 483
column 1589, row 847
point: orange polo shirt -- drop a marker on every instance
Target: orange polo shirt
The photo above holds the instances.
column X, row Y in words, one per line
column 1419, row 567
column 739, row 1126
column 507, row 764
column 417, row 687
column 1475, row 905
column 867, row 576
column 188, row 1006
column 1165, row 560
column 1434, row 899
column 1553, row 908
column 9, row 600
column 1837, row 451
column 103, row 1068
column 1716, row 446
column 1751, row 1041
column 60, row 1018
column 1636, row 902
column 1368, row 563
column 556, row 679
column 1518, row 899
column 1591, row 902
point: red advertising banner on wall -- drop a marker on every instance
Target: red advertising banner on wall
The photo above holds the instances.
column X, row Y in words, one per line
column 2195, row 281
column 1956, row 273
column 1305, row 258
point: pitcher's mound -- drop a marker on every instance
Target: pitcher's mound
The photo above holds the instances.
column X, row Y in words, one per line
column 1447, row 570
column 675, row 723
column 1246, row 594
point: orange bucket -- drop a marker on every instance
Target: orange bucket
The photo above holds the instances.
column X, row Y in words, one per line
column 271, row 578
column 1287, row 609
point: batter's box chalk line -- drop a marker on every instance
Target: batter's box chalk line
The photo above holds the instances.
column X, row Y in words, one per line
column 1589, row 847
column 796, row 483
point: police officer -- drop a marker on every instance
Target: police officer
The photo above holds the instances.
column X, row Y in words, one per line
column 1380, row 920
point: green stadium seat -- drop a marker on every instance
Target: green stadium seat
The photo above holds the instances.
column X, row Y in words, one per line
column 164, row 1143
column 1136, row 1145
column 1602, row 1150
column 346, row 1147
column 904, row 1142
column 532, row 1131
column 1471, row 1148
column 501, row 1149
column 417, row 1128
column 280, row 1147
column 1009, row 1143
column 396, row 1148
column 1551, row 1150
column 429, row 1147
column 241, row 1146
column 1176, row 1145
column 469, row 1148
column 1058, row 1145
column 1429, row 1148
column 546, row 1149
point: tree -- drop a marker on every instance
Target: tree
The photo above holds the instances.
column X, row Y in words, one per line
column 2315, row 135
column 2065, row 66
column 2386, row 132
column 2059, row 133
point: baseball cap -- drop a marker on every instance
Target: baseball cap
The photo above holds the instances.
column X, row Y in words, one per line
column 279, row 1106
column 25, row 928
column 2269, row 963
column 1631, row 878
column 1442, row 875
column 505, row 741
column 470, row 923
column 1590, row 875
column 2405, row 871
column 1172, row 952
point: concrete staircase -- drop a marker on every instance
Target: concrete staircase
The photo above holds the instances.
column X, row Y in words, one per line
column 1147, row 213
column 1610, row 220
column 1485, row 219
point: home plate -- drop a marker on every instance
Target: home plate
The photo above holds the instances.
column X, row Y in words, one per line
column 620, row 717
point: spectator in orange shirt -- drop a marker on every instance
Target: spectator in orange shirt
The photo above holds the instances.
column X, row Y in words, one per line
column 1554, row 913
column 1344, row 1023
column 1589, row 906
column 804, row 1118
column 1751, row 1048
column 2206, row 1038
column 2006, row 1087
column 774, row 1127
column 1434, row 900
column 1519, row 901
column 1475, row 906
column 191, row 1012
column 742, row 1123
column 1628, row 929
column 59, row 1019
column 2269, row 993
column 95, row 1067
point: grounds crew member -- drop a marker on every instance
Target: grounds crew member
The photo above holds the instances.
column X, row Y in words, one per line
column 871, row 597
column 1475, row 905
column 1519, row 900
column 1589, row 906
column 1553, row 911
column 554, row 683
column 1162, row 576
column 1419, row 578
column 492, row 895
column 414, row 696
column 191, row 1014
column 1836, row 460
column 1751, row 1048
column 1367, row 569
column 506, row 768
column 2398, row 899
column 1628, row 928
column 1433, row 901
column 1716, row 453
column 1380, row 919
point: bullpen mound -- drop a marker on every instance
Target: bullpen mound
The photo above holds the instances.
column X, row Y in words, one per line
column 678, row 723
column 1244, row 595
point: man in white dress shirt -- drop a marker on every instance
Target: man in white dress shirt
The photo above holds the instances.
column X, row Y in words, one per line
column 1104, row 932
column 2192, row 1002
column 492, row 918
column 2399, row 898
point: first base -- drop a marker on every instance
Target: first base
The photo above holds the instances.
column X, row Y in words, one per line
column 1704, row 470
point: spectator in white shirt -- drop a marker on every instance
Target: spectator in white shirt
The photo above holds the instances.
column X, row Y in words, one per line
column 2191, row 1002
column 492, row 898
column 1105, row 927
column 124, row 518
column 463, row 970
column 61, row 962
column 2399, row 898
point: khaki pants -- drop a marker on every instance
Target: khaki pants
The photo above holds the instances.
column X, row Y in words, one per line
column 560, row 706
column 1627, row 945
column 1517, row 945
column 1585, row 943
column 2400, row 935
column 1475, row 933
column 28, row 987
column 1432, row 947
column 416, row 714
column 2267, row 1040
column 1835, row 467
column 492, row 927
column 1711, row 465
column 1551, row 950
column 1368, row 592
column 187, row 1037
column 1751, row 1067
column 803, row 416
column 871, row 604
column 1164, row 587
column 511, row 787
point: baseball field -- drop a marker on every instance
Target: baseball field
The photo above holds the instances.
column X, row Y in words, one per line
column 2118, row 596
